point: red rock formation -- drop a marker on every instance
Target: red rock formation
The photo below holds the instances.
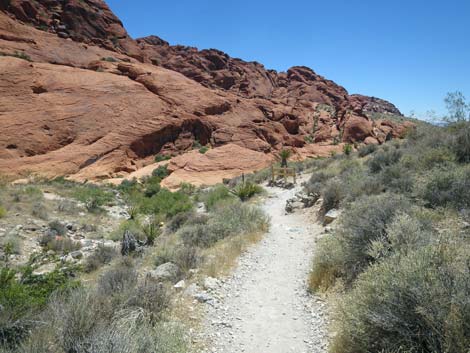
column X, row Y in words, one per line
column 79, row 97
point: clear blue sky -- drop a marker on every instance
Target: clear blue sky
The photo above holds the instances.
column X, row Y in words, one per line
column 409, row 52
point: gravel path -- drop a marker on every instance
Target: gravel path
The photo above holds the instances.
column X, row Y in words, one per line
column 264, row 306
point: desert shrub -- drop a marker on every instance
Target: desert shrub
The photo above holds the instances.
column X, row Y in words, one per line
column 57, row 227
column 434, row 157
column 316, row 181
column 178, row 221
column 366, row 150
column 11, row 244
column 59, row 244
column 119, row 278
column 347, row 149
column 152, row 297
column 23, row 297
column 39, row 210
column 365, row 222
column 247, row 190
column 448, row 188
column 152, row 186
column 415, row 303
column 332, row 193
column 161, row 172
column 101, row 256
column 162, row 157
column 68, row 206
column 404, row 234
column 187, row 257
column 327, row 264
column 215, row 195
column 396, row 178
column 461, row 143
column 203, row 149
column 92, row 196
column 3, row 212
column 384, row 158
column 129, row 186
column 197, row 235
column 133, row 331
column 187, row 188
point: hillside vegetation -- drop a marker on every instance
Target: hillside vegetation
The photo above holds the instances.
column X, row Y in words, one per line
column 75, row 278
column 398, row 256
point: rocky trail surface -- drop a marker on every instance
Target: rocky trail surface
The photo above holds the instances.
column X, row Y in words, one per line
column 264, row 305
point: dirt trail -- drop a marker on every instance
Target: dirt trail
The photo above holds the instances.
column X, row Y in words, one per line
column 264, row 305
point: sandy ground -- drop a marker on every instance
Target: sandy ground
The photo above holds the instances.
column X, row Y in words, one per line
column 265, row 306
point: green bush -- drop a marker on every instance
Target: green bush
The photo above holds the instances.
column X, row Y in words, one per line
column 415, row 303
column 448, row 188
column 21, row 298
column 203, row 149
column 162, row 157
column 165, row 203
column 161, row 172
column 247, row 190
column 3, row 212
column 152, row 186
column 347, row 149
column 92, row 196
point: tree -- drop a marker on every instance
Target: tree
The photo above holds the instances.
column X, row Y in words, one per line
column 457, row 106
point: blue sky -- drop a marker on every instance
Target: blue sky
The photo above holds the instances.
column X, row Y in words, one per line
column 409, row 52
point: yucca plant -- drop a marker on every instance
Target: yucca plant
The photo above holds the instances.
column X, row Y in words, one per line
column 246, row 190
column 284, row 155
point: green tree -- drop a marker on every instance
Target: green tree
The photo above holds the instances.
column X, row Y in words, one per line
column 457, row 106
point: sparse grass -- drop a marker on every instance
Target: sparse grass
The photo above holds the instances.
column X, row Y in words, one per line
column 18, row 54
column 3, row 212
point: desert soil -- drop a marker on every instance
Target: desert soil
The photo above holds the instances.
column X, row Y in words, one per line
column 264, row 306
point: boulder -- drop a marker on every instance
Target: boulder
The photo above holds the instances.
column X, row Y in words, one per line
column 166, row 272
column 331, row 216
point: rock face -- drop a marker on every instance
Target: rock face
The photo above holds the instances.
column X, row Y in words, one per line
column 374, row 105
column 83, row 99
